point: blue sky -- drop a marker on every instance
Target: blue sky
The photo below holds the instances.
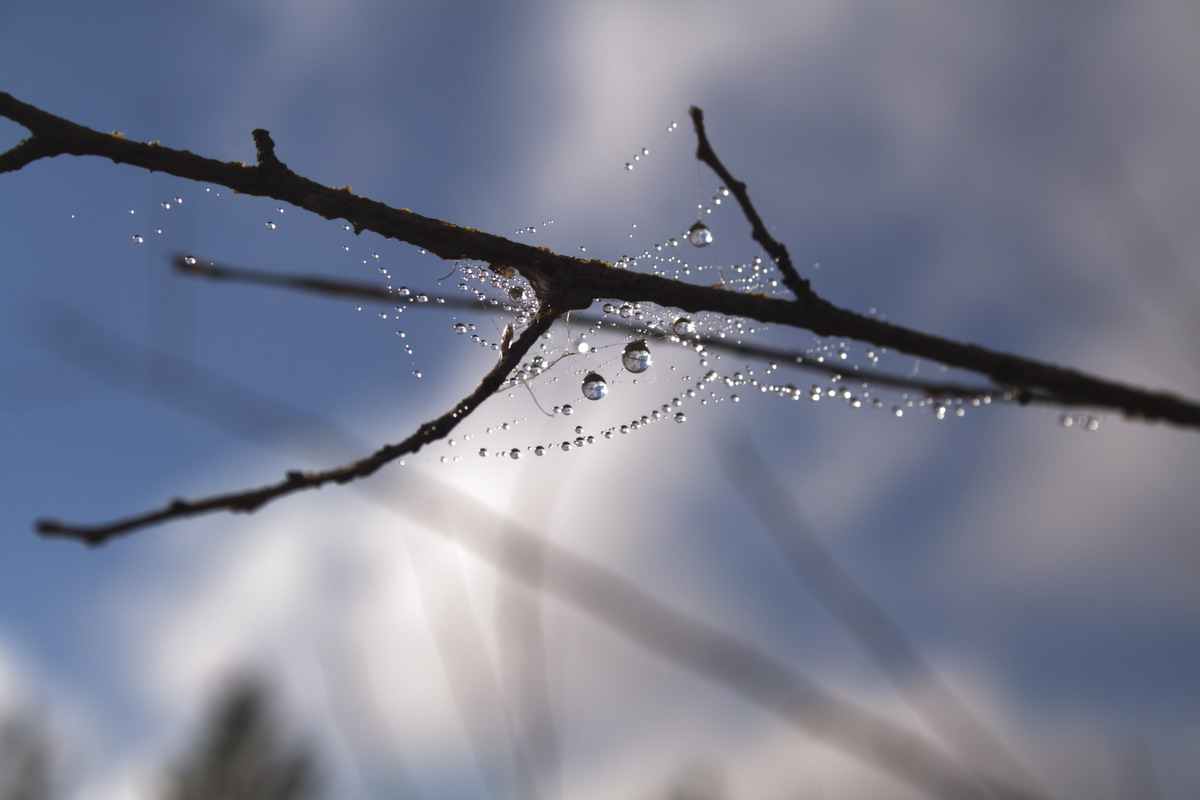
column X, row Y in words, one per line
column 1020, row 177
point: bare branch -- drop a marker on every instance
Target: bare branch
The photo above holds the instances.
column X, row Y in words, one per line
column 335, row 287
column 561, row 283
column 573, row 283
column 24, row 152
column 295, row 481
column 777, row 251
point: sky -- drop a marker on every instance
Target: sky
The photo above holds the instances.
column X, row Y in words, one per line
column 1022, row 176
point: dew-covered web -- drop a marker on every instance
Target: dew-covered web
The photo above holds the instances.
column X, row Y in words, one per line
column 618, row 367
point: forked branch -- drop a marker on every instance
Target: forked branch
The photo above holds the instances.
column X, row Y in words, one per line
column 562, row 283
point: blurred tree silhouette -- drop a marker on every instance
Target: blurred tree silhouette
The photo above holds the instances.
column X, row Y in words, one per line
column 26, row 762
column 241, row 753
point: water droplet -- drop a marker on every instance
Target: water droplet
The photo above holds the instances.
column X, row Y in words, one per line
column 189, row 260
column 271, row 225
column 539, row 450
column 625, row 311
column 483, row 452
column 567, row 410
column 137, row 238
column 684, row 327
column 681, row 417
column 416, row 373
column 514, row 454
column 636, row 357
column 699, row 234
column 594, row 386
column 166, row 205
column 628, row 165
column 460, row 327
column 178, row 200
column 516, row 294
column 422, row 298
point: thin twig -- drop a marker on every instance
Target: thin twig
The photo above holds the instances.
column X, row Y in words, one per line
column 336, row 287
column 775, row 249
column 295, row 481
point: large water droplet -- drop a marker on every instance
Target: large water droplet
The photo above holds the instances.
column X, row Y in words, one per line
column 684, row 327
column 137, row 238
column 636, row 357
column 567, row 410
column 460, row 327
column 594, row 386
column 699, row 234
column 271, row 225
column 514, row 454
column 516, row 294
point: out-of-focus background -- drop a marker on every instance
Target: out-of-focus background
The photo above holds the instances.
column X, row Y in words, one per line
column 1023, row 176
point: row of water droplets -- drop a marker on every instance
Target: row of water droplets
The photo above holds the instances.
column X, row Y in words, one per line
column 511, row 297
column 584, row 363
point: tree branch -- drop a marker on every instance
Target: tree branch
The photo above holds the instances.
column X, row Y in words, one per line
column 777, row 251
column 575, row 283
column 295, row 481
column 562, row 283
